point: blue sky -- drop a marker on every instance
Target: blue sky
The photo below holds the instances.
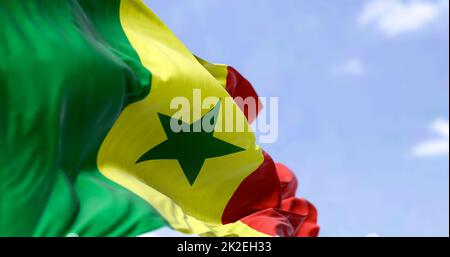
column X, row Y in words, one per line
column 363, row 89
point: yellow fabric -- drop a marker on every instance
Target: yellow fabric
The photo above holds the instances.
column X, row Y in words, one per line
column 218, row 71
column 176, row 72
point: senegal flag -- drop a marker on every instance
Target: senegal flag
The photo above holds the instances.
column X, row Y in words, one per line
column 86, row 141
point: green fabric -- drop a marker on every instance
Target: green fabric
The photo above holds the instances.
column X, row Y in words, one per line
column 67, row 70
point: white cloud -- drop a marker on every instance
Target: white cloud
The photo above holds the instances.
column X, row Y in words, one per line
column 437, row 146
column 352, row 67
column 393, row 17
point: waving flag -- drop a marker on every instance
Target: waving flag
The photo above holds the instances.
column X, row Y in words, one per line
column 87, row 147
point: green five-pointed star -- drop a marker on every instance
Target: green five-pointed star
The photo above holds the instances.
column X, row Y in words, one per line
column 191, row 149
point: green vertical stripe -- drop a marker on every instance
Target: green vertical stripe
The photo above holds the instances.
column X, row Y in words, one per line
column 67, row 70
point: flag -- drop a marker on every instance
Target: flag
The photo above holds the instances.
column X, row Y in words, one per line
column 87, row 144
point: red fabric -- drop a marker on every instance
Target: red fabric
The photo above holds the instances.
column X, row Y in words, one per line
column 259, row 191
column 238, row 86
column 266, row 201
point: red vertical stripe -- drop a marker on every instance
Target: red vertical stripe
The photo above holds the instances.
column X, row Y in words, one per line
column 238, row 86
column 266, row 202
column 259, row 191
